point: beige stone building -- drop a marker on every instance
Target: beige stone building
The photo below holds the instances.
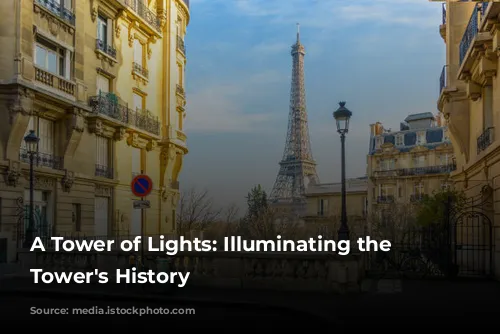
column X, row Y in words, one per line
column 324, row 202
column 405, row 165
column 469, row 98
column 102, row 85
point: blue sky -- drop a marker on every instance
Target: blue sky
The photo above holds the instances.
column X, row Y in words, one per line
column 383, row 57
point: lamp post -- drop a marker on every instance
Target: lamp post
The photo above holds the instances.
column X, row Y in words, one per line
column 342, row 116
column 31, row 141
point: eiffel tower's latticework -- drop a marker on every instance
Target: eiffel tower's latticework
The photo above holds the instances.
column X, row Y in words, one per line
column 297, row 168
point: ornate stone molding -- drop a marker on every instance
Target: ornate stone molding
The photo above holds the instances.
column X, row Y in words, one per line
column 94, row 9
column 13, row 173
column 131, row 34
column 133, row 140
column 120, row 134
column 67, row 181
column 22, row 103
column 55, row 25
column 95, row 126
column 43, row 183
column 151, row 145
column 75, row 121
column 103, row 191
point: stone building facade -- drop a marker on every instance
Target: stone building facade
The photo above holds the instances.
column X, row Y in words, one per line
column 102, row 85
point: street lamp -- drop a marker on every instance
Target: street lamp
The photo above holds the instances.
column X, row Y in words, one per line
column 342, row 116
column 31, row 141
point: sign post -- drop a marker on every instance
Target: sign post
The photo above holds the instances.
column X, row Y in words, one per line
column 141, row 186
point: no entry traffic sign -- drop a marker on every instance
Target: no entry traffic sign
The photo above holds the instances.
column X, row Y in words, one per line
column 141, row 185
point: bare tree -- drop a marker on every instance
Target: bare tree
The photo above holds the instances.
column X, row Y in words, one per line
column 394, row 223
column 196, row 211
column 268, row 224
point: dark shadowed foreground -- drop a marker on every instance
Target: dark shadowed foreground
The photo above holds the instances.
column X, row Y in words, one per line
column 428, row 303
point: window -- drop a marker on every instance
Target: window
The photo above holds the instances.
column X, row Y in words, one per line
column 322, row 207
column 385, row 190
column 378, row 142
column 387, row 164
column 444, row 159
column 419, row 189
column 66, row 4
column 445, row 186
column 44, row 129
column 136, row 161
column 102, row 30
column 180, row 74
column 421, row 138
column 399, row 140
column 102, row 151
column 487, row 107
column 103, row 84
column 419, row 161
column 138, row 101
column 76, row 217
column 138, row 52
column 52, row 58
column 400, row 192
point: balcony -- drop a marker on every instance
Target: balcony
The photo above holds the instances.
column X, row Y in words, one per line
column 485, row 139
column 442, row 169
column 42, row 159
column 180, row 91
column 472, row 29
column 416, row 197
column 104, row 171
column 100, row 45
column 139, row 69
column 55, row 81
column 58, row 10
column 180, row 45
column 442, row 79
column 385, row 199
column 108, row 104
column 144, row 13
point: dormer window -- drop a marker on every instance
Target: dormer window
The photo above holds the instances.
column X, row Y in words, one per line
column 399, row 140
column 379, row 141
column 420, row 137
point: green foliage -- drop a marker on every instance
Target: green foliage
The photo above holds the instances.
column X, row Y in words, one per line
column 257, row 202
column 435, row 209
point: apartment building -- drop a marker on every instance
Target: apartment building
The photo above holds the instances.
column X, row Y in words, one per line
column 101, row 84
column 405, row 165
column 469, row 99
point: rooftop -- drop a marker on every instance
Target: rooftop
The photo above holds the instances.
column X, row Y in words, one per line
column 359, row 184
column 419, row 117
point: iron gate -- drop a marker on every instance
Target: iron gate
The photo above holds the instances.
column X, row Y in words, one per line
column 41, row 226
column 460, row 245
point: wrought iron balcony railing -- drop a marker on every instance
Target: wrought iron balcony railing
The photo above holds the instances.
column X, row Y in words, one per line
column 416, row 197
column 110, row 105
column 58, row 9
column 180, row 90
column 138, row 68
column 104, row 171
column 440, row 169
column 107, row 49
column 145, row 13
column 444, row 13
column 385, row 199
column 472, row 29
column 180, row 45
column 442, row 79
column 42, row 159
column 485, row 139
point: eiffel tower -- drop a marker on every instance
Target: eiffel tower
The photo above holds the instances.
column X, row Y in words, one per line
column 297, row 167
